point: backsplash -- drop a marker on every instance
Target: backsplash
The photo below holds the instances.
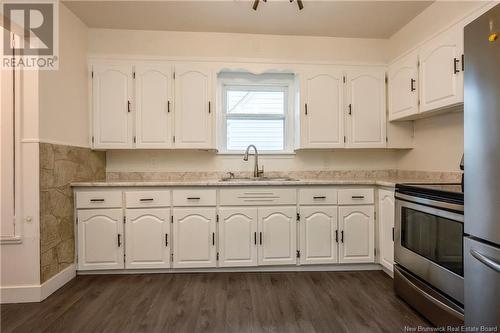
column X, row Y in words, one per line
column 406, row 175
column 59, row 166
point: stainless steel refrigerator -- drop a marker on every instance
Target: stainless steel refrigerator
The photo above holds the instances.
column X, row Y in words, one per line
column 482, row 170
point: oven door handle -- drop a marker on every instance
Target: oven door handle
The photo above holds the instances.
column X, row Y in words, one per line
column 494, row 265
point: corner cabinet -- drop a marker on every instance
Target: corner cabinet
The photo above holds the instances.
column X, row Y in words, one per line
column 194, row 107
column 112, row 106
column 323, row 110
column 366, row 115
column 154, row 106
column 100, row 239
column 441, row 70
column 403, row 87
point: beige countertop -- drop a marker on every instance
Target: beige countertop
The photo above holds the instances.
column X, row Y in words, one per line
column 386, row 182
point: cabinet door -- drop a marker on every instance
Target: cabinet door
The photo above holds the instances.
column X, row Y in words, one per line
column 238, row 237
column 441, row 77
column 194, row 107
column 403, row 87
column 277, row 235
column 194, row 237
column 111, row 95
column 323, row 114
column 356, row 224
column 100, row 239
column 386, row 209
column 318, row 235
column 153, row 106
column 366, row 118
column 147, row 238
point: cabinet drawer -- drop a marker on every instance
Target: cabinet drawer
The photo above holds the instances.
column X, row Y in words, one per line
column 99, row 199
column 258, row 196
column 318, row 196
column 355, row 196
column 194, row 197
column 139, row 199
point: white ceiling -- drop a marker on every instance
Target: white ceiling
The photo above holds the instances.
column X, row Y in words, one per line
column 357, row 19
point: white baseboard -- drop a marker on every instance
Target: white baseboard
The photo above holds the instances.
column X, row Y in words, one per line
column 38, row 292
column 304, row 268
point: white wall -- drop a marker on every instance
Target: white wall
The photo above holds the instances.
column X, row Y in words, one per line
column 64, row 117
column 439, row 139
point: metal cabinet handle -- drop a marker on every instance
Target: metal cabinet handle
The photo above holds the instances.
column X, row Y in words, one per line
column 412, row 85
column 342, row 236
column 336, row 236
column 147, row 199
column 209, row 107
column 463, row 63
column 455, row 63
column 358, row 197
column 260, row 236
column 96, row 200
column 213, row 238
column 168, row 106
column 128, row 106
column 305, row 107
column 119, row 240
column 193, row 198
column 166, row 239
column 255, row 238
column 350, row 109
column 393, row 234
column 491, row 263
column 319, row 197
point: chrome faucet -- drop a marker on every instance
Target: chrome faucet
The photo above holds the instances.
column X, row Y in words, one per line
column 256, row 171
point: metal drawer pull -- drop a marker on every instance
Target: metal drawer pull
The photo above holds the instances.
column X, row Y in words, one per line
column 96, row 200
column 193, row 198
column 119, row 240
column 358, row 197
column 494, row 265
column 166, row 239
column 321, row 197
column 147, row 199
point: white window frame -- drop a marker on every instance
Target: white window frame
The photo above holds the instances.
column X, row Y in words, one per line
column 266, row 82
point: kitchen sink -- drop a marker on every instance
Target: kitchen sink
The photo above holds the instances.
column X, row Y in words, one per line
column 257, row 179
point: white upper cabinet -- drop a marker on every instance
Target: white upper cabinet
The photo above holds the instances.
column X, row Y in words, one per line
column 322, row 117
column 441, row 72
column 194, row 107
column 238, row 237
column 147, row 238
column 194, row 237
column 100, row 239
column 366, row 120
column 277, row 235
column 112, row 108
column 403, row 87
column 386, row 209
column 318, row 235
column 357, row 234
column 153, row 106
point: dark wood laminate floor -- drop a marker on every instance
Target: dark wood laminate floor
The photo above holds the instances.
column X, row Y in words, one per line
column 218, row 302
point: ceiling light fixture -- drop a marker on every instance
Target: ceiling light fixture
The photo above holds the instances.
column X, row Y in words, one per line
column 256, row 4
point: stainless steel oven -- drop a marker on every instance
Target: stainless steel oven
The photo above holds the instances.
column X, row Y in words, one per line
column 428, row 250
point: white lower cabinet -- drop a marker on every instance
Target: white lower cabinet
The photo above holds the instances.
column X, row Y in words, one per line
column 318, row 235
column 357, row 234
column 100, row 239
column 277, row 235
column 194, row 237
column 147, row 238
column 386, row 213
column 237, row 237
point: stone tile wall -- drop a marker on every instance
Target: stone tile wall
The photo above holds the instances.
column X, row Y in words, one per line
column 59, row 166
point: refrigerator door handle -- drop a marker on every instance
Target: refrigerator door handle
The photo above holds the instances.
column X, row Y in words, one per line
column 494, row 265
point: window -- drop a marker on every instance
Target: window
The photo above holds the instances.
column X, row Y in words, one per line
column 256, row 110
